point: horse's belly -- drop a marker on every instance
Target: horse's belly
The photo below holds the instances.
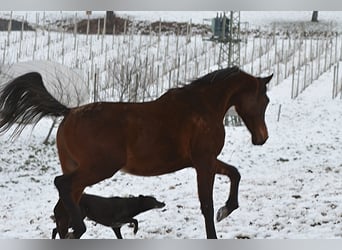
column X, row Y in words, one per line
column 154, row 166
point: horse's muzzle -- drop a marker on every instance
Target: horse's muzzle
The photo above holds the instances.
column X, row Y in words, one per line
column 261, row 137
column 260, row 141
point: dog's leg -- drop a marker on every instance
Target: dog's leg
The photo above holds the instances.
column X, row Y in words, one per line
column 54, row 233
column 117, row 232
column 135, row 222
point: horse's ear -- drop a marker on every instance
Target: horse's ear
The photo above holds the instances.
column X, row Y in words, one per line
column 267, row 79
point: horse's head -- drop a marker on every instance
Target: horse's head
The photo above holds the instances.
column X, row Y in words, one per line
column 251, row 105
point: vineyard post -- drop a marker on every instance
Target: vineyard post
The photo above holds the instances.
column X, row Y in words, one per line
column 98, row 28
column 9, row 29
column 43, row 26
column 340, row 81
column 196, row 68
column 106, row 58
column 288, row 54
column 178, row 63
column 113, row 37
column 21, row 37
column 150, row 34
column 260, row 55
column 334, row 84
column 95, row 87
column 275, row 49
column 282, row 49
column 205, row 59
column 209, row 64
column 311, row 51
column 177, row 48
column 305, row 70
column 103, row 32
column 312, row 69
column 331, row 50
column 278, row 72
column 156, row 83
column 92, row 65
column 292, row 88
column 341, row 48
column 298, row 68
column 170, row 79
column 76, row 56
column 63, row 48
column 91, row 47
column 305, row 63
column 319, row 60
column 4, row 54
column 158, row 40
column 75, row 30
column 140, row 43
column 293, row 57
column 88, row 81
column 88, row 26
column 338, row 85
column 167, row 47
column 267, row 53
column 286, row 61
column 35, row 44
column 245, row 57
column 185, row 61
column 113, row 80
column 279, row 111
column 215, row 54
column 252, row 60
column 336, row 42
column 325, row 55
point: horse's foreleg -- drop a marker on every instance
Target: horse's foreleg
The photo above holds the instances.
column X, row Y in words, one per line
column 70, row 197
column 234, row 176
column 205, row 182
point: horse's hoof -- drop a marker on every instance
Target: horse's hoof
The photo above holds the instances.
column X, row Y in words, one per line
column 70, row 236
column 224, row 211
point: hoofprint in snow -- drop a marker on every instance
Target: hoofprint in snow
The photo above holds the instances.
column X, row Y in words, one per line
column 290, row 187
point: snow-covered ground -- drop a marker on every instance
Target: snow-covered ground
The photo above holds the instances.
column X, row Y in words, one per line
column 290, row 188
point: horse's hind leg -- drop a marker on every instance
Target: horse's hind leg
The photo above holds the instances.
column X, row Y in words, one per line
column 71, row 186
column 234, row 176
column 70, row 195
column 62, row 221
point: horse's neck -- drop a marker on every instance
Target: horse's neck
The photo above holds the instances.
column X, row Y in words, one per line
column 221, row 96
column 215, row 97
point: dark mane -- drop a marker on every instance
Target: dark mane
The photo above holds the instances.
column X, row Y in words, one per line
column 217, row 75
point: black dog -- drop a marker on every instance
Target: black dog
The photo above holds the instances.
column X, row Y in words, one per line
column 112, row 212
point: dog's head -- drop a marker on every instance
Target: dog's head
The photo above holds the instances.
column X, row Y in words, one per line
column 151, row 202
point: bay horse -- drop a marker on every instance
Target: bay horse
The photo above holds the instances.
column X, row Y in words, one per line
column 182, row 128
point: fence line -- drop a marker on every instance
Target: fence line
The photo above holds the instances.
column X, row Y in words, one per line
column 152, row 65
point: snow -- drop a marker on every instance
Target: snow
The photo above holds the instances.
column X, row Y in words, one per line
column 290, row 188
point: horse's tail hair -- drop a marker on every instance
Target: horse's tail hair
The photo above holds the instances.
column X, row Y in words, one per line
column 25, row 100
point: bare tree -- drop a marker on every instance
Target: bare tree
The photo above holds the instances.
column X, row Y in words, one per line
column 127, row 80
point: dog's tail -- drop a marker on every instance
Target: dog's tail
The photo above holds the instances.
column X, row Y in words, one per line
column 25, row 100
